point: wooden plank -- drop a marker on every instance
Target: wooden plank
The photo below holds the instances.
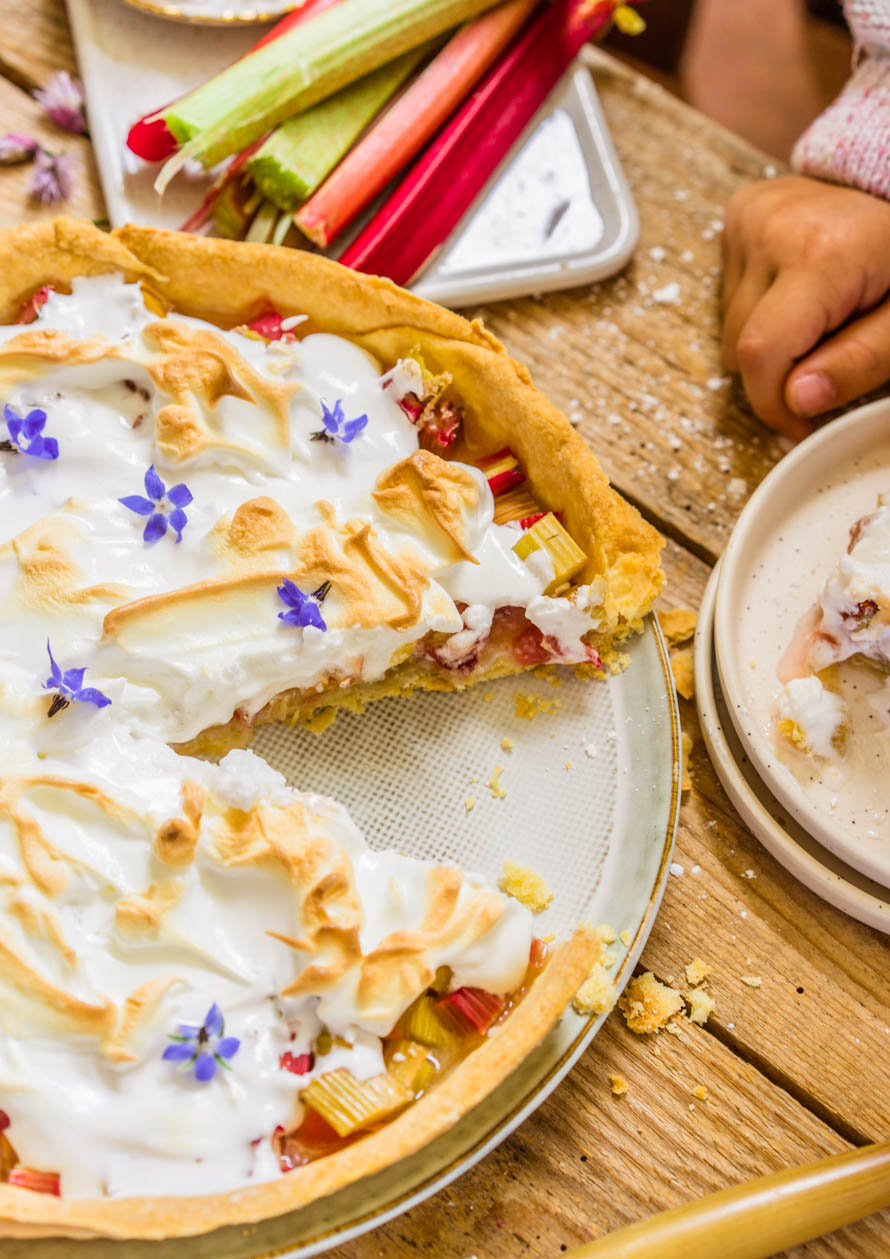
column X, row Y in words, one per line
column 36, row 41
column 821, row 1011
column 587, row 1162
column 19, row 112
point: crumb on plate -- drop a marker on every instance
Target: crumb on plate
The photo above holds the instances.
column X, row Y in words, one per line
column 525, row 886
column 494, row 783
column 597, row 995
column 529, row 705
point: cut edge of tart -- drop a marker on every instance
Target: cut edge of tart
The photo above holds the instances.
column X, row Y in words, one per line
column 534, row 457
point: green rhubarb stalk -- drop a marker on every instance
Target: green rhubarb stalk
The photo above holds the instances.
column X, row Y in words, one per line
column 297, row 156
column 302, row 67
column 264, row 222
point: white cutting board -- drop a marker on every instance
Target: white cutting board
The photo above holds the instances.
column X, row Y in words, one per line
column 557, row 213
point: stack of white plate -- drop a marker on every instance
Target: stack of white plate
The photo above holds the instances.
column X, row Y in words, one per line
column 826, row 821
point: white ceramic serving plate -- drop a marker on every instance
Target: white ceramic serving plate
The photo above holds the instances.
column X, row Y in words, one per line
column 790, row 535
column 787, row 841
column 571, row 217
column 601, row 832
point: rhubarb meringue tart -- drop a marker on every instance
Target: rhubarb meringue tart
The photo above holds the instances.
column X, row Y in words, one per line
column 241, row 484
column 217, row 1002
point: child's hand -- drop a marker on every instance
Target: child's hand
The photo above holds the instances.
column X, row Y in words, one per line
column 803, row 259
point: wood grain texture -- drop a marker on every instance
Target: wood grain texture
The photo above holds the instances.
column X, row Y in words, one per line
column 794, row 1067
column 36, row 41
column 19, row 112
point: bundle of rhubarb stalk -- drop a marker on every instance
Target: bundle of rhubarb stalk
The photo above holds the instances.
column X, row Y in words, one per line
column 367, row 128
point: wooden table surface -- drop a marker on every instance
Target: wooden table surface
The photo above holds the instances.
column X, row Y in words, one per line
column 797, row 1067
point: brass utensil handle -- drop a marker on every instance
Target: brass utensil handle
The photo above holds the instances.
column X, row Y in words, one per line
column 763, row 1216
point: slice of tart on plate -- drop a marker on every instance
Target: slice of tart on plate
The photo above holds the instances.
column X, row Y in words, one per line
column 218, row 1004
column 243, row 484
column 849, row 622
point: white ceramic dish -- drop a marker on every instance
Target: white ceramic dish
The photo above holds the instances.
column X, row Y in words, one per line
column 601, row 833
column 788, row 842
column 790, row 535
column 215, row 12
column 133, row 62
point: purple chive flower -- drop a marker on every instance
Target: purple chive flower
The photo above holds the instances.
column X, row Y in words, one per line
column 16, row 148
column 52, row 180
column 157, row 506
column 62, row 98
column 303, row 609
column 203, row 1047
column 69, row 686
column 336, row 426
column 26, row 435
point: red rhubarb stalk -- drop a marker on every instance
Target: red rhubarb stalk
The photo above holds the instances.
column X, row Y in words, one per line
column 400, row 134
column 298, row 1064
column 204, row 211
column 429, row 203
column 37, row 1182
column 151, row 139
column 473, row 1008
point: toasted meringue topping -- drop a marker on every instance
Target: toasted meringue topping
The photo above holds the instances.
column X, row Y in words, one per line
column 126, row 910
column 180, row 635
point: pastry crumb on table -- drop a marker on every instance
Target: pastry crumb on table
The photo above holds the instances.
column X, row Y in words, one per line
column 617, row 1084
column 647, row 1004
column 701, row 1006
column 682, row 668
column 697, row 971
column 678, row 625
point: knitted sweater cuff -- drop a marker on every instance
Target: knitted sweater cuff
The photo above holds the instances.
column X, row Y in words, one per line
column 850, row 142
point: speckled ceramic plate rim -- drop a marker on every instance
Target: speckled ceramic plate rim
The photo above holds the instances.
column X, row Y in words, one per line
column 781, row 481
column 824, row 874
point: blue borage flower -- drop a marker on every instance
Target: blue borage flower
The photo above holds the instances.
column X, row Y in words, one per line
column 205, row 1047
column 26, row 435
column 157, row 507
column 336, row 426
column 69, row 686
column 303, row 609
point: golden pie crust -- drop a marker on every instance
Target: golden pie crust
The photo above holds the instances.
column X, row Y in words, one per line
column 229, row 284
